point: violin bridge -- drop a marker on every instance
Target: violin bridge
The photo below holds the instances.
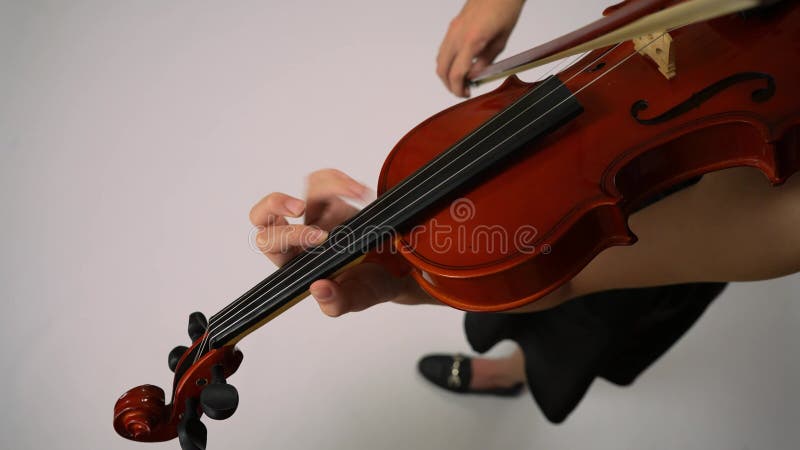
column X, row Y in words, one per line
column 658, row 46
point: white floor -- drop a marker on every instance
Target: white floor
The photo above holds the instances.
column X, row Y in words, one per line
column 134, row 136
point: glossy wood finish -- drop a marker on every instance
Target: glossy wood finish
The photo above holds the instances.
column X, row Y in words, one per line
column 578, row 185
column 141, row 413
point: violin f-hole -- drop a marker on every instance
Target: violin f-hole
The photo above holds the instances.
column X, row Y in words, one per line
column 759, row 95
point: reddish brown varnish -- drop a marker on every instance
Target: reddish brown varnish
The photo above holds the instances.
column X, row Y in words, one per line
column 578, row 185
column 141, row 413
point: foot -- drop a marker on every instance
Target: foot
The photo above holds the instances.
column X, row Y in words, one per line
column 458, row 373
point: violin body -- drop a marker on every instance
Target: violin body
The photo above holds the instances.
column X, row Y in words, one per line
column 533, row 224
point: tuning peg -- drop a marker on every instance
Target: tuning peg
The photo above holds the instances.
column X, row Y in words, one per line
column 219, row 399
column 192, row 434
column 197, row 325
column 175, row 356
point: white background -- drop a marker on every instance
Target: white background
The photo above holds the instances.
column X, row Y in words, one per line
column 136, row 135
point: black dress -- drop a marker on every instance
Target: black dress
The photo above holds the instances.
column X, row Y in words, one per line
column 615, row 335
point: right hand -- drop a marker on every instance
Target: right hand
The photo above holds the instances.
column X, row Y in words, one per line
column 475, row 37
column 355, row 289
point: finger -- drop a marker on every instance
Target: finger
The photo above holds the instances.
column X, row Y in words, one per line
column 333, row 213
column 336, row 299
column 461, row 66
column 272, row 208
column 330, row 302
column 447, row 53
column 280, row 238
column 356, row 289
column 479, row 64
column 325, row 190
column 487, row 56
column 281, row 243
column 332, row 182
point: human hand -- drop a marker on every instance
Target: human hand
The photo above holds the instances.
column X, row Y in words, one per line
column 354, row 289
column 475, row 37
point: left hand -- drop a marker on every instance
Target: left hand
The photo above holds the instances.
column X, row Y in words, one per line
column 355, row 289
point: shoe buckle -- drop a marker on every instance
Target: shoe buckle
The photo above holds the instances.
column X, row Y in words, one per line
column 454, row 380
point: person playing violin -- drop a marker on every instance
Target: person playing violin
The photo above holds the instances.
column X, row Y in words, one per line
column 620, row 313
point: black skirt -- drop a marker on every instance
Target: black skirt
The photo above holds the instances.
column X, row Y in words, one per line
column 615, row 335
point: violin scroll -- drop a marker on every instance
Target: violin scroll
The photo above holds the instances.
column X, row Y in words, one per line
column 199, row 387
column 139, row 412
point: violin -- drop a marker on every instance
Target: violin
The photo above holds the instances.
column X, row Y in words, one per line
column 657, row 92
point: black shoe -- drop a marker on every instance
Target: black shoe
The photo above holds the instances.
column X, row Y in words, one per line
column 454, row 373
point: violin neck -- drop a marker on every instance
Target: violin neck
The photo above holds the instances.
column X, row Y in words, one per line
column 536, row 113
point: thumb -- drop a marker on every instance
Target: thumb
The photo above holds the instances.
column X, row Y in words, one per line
column 356, row 289
column 487, row 56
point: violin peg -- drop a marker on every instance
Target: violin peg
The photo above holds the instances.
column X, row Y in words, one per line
column 219, row 400
column 192, row 434
column 175, row 356
column 197, row 325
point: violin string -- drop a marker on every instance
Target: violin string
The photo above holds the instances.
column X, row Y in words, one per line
column 570, row 61
column 216, row 325
column 244, row 297
column 289, row 265
column 222, row 314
